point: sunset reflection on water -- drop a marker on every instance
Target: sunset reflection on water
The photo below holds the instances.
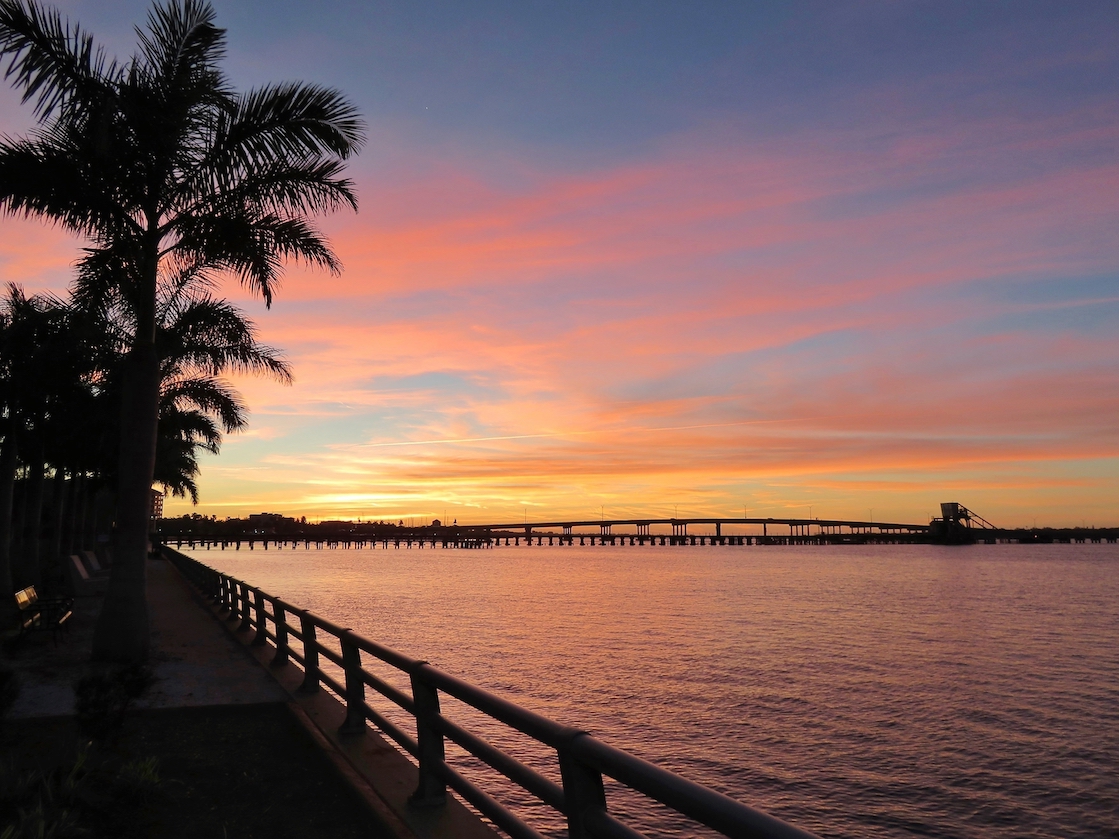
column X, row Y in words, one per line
column 854, row 691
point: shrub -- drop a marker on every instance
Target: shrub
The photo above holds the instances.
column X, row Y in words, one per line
column 101, row 698
column 9, row 689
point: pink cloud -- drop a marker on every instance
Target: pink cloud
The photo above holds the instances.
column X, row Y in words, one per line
column 709, row 324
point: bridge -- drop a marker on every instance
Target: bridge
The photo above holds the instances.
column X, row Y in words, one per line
column 704, row 530
column 956, row 526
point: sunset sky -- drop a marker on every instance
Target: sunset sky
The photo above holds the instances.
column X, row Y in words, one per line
column 628, row 258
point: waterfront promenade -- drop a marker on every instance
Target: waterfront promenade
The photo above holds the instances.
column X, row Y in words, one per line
column 239, row 744
column 335, row 660
column 268, row 748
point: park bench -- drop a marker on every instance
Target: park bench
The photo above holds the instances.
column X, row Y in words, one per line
column 51, row 613
column 93, row 565
column 82, row 581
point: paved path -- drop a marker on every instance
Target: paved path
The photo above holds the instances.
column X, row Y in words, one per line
column 197, row 662
column 194, row 660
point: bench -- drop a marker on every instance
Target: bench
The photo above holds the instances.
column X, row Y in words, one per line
column 93, row 565
column 81, row 581
column 51, row 613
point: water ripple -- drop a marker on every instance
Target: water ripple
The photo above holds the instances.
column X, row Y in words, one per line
column 875, row 692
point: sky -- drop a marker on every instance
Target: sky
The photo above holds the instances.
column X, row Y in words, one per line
column 643, row 259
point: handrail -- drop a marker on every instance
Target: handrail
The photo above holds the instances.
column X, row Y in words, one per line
column 583, row 760
column 717, row 811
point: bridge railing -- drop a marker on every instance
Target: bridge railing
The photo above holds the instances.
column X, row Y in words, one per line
column 583, row 760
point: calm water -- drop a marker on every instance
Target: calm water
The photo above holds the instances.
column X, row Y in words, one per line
column 854, row 691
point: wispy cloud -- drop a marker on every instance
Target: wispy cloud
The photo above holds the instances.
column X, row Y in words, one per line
column 712, row 325
column 833, row 317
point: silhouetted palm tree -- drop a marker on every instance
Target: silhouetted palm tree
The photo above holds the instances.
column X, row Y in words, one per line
column 185, row 430
column 45, row 380
column 175, row 178
column 199, row 340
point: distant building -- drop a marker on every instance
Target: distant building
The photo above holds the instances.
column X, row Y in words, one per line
column 157, row 505
column 270, row 518
column 270, row 522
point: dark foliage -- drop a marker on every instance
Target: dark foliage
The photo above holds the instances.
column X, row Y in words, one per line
column 9, row 689
column 102, row 698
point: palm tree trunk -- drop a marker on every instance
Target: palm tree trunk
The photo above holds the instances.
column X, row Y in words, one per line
column 8, row 463
column 19, row 516
column 58, row 520
column 122, row 632
column 33, row 519
column 73, row 521
column 82, row 535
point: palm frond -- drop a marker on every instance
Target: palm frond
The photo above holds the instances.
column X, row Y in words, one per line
column 181, row 282
column 255, row 247
column 305, row 185
column 53, row 61
column 46, row 179
column 107, row 288
column 288, row 121
column 176, row 462
column 191, row 426
column 215, row 336
column 181, row 41
column 205, row 395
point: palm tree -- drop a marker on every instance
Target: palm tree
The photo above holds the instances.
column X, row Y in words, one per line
column 175, row 178
column 198, row 339
column 44, row 376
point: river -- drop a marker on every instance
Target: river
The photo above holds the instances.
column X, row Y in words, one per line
column 873, row 691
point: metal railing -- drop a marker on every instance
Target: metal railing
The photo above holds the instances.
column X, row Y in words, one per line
column 583, row 760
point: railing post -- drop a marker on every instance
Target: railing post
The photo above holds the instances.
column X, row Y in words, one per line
column 246, row 614
column 310, row 655
column 234, row 600
column 223, row 592
column 354, row 723
column 431, row 790
column 281, row 656
column 582, row 789
column 261, row 637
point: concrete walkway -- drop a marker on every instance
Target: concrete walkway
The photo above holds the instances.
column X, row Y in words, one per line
column 200, row 660
column 194, row 660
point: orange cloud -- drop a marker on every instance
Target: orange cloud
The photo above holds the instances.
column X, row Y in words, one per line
column 819, row 323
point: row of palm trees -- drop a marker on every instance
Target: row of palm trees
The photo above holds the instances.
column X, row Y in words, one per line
column 174, row 179
column 60, row 402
